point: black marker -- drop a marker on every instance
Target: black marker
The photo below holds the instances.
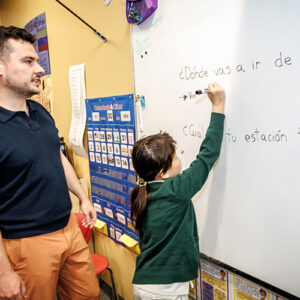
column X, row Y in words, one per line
column 199, row 92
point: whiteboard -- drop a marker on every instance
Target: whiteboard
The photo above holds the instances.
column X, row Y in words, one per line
column 248, row 212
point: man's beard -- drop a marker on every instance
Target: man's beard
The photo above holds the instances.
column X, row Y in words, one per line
column 24, row 90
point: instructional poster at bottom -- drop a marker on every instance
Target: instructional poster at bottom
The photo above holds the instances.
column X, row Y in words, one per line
column 242, row 289
column 220, row 284
column 214, row 281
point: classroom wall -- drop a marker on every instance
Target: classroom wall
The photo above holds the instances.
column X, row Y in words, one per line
column 108, row 72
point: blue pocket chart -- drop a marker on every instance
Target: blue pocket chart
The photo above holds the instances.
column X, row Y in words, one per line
column 110, row 138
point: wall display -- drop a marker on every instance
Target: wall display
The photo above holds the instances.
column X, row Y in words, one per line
column 242, row 289
column 78, row 96
column 38, row 28
column 214, row 281
column 248, row 212
column 111, row 135
column 45, row 97
column 220, row 284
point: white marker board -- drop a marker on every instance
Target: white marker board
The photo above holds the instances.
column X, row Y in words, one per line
column 248, row 213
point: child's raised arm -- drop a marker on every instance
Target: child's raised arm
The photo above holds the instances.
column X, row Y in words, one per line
column 191, row 180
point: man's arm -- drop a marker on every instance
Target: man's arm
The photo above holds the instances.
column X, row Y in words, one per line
column 75, row 187
column 11, row 285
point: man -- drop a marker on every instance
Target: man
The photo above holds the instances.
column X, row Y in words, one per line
column 42, row 249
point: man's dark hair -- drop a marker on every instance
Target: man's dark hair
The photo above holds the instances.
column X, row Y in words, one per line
column 13, row 32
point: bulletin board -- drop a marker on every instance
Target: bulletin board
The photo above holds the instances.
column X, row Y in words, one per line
column 248, row 212
column 38, row 28
column 111, row 135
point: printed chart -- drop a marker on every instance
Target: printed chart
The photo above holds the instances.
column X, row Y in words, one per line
column 111, row 135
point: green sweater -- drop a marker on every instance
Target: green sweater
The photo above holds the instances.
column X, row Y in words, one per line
column 169, row 238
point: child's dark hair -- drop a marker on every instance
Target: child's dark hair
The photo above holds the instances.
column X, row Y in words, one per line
column 13, row 32
column 150, row 156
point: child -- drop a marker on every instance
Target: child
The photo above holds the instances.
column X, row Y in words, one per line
column 163, row 211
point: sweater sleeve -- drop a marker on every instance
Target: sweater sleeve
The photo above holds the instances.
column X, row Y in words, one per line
column 191, row 180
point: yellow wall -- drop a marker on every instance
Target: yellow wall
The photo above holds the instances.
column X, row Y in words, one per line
column 108, row 72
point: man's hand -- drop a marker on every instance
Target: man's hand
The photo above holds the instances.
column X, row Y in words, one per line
column 11, row 286
column 90, row 214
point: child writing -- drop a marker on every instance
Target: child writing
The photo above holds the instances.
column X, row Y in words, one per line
column 163, row 211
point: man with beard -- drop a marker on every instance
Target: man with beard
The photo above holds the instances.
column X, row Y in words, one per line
column 42, row 249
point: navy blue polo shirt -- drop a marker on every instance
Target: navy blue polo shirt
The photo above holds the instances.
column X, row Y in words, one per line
column 34, row 197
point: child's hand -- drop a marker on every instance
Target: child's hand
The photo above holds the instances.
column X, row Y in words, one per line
column 216, row 95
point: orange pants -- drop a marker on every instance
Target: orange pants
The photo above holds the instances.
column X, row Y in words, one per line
column 58, row 261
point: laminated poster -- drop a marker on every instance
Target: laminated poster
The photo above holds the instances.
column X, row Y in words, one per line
column 214, row 281
column 45, row 96
column 220, row 284
column 243, row 289
column 110, row 138
column 37, row 27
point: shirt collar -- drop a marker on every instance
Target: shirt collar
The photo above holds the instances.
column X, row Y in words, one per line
column 31, row 105
column 154, row 181
column 6, row 114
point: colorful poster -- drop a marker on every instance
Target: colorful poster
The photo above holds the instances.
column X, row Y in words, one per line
column 214, row 281
column 242, row 289
column 45, row 96
column 37, row 27
column 220, row 284
column 110, row 138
